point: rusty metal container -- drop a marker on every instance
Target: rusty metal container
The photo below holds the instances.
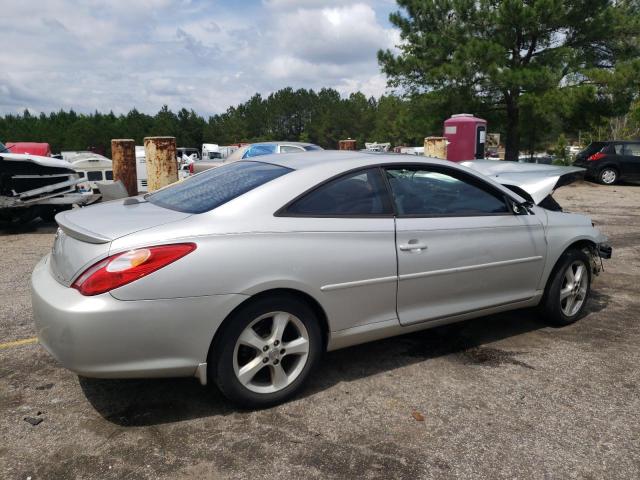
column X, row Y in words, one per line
column 162, row 163
column 348, row 144
column 435, row 147
column 123, row 156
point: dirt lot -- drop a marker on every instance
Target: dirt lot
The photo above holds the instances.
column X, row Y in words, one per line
column 497, row 397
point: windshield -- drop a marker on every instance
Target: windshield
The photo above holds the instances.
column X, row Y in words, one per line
column 212, row 188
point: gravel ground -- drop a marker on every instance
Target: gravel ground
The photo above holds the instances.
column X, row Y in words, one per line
column 496, row 397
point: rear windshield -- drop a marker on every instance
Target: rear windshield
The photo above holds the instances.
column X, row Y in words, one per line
column 214, row 187
column 592, row 148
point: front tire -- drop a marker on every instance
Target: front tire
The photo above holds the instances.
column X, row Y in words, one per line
column 568, row 289
column 608, row 176
column 266, row 351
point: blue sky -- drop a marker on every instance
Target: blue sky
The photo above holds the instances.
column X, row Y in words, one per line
column 206, row 55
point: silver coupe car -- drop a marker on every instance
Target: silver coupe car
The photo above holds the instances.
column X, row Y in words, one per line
column 244, row 275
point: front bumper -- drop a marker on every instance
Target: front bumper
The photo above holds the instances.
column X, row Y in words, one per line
column 101, row 336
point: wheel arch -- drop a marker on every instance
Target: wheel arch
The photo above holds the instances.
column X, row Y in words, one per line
column 579, row 244
column 290, row 292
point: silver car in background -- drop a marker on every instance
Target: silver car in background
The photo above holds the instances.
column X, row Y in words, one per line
column 245, row 274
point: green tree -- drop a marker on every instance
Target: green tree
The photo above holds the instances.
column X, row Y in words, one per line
column 498, row 51
column 561, row 151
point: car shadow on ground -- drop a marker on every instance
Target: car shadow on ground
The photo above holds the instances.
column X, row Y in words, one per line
column 159, row 401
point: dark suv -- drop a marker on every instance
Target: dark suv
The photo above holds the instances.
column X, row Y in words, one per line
column 610, row 162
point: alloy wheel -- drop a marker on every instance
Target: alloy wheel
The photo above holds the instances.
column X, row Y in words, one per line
column 271, row 352
column 608, row 176
column 574, row 288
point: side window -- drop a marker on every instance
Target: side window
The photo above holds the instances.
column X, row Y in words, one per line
column 290, row 149
column 257, row 150
column 619, row 149
column 94, row 176
column 632, row 149
column 360, row 193
column 108, row 175
column 431, row 193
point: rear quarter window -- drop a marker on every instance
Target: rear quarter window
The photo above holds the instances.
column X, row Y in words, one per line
column 214, row 187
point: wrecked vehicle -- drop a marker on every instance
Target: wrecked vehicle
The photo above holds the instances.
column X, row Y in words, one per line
column 244, row 274
column 32, row 186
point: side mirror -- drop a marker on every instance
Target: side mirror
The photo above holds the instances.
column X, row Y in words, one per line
column 523, row 208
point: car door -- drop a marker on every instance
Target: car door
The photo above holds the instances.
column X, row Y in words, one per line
column 341, row 240
column 631, row 161
column 460, row 247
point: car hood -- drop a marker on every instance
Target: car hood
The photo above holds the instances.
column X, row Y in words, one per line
column 38, row 160
column 107, row 221
column 539, row 181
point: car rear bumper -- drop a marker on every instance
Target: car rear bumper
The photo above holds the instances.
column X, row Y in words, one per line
column 590, row 167
column 101, row 336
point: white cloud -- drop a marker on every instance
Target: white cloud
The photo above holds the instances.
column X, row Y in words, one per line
column 337, row 35
column 117, row 54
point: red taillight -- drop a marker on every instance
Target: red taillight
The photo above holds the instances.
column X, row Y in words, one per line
column 596, row 156
column 191, row 169
column 122, row 268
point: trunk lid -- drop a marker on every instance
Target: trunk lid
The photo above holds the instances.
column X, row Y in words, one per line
column 85, row 234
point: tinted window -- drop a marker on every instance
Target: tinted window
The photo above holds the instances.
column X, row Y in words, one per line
column 94, row 176
column 257, row 150
column 424, row 192
column 309, row 148
column 108, row 175
column 212, row 188
column 359, row 193
column 632, row 149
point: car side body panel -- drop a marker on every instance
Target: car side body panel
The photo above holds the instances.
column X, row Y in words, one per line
column 349, row 270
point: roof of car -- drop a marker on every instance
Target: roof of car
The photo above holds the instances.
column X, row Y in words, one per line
column 349, row 159
column 281, row 142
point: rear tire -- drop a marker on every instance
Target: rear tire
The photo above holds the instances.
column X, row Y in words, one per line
column 265, row 351
column 567, row 290
column 608, row 176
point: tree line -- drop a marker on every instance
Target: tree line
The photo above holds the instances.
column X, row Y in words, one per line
column 324, row 118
